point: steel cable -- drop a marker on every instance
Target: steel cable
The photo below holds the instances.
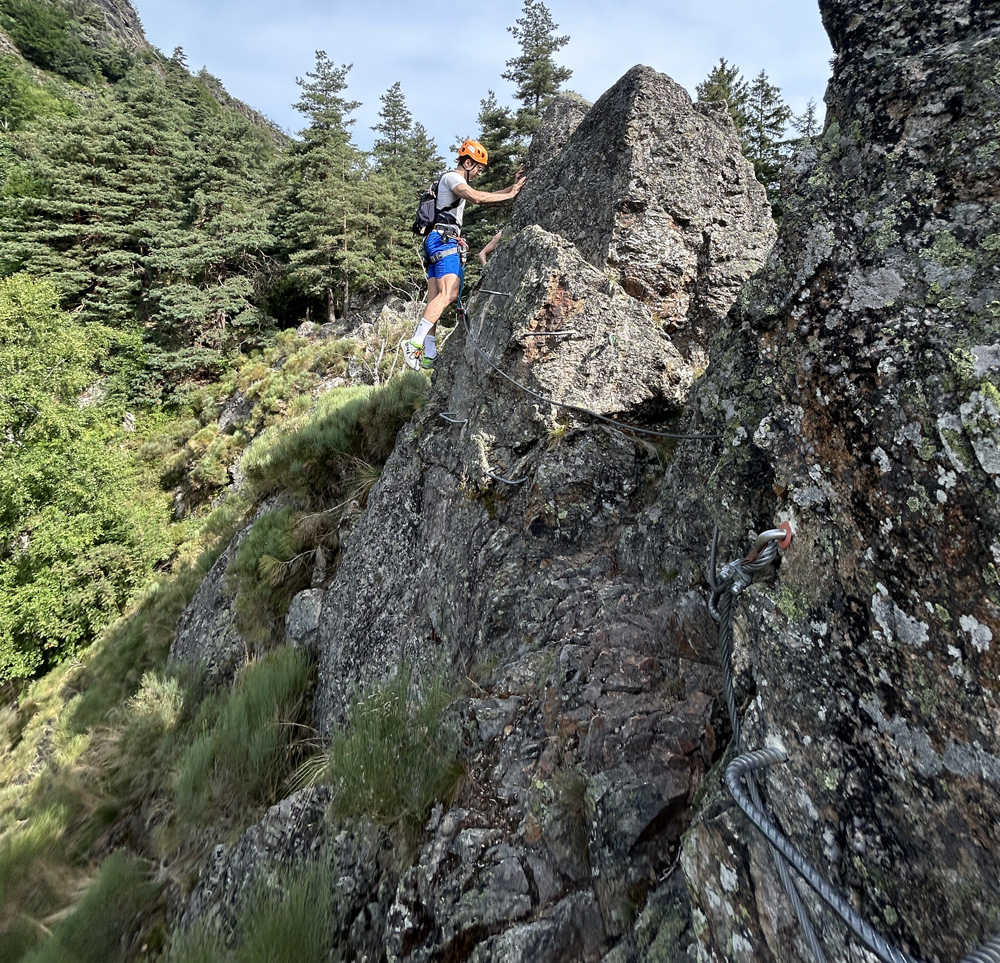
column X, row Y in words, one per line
column 620, row 425
column 733, row 579
column 736, row 576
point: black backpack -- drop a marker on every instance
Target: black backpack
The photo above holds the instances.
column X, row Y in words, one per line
column 428, row 213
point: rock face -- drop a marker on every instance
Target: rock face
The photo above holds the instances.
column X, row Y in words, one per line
column 856, row 386
column 504, row 534
column 853, row 390
column 207, row 635
column 457, row 557
column 124, row 23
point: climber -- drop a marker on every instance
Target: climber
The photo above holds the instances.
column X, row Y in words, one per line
column 444, row 249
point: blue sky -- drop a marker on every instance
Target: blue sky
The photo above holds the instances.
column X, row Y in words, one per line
column 449, row 56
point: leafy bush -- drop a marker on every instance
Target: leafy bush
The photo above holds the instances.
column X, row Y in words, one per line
column 78, row 533
column 243, row 754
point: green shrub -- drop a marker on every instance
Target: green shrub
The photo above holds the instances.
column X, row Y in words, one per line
column 108, row 920
column 244, row 753
column 79, row 533
column 22, row 98
column 286, row 920
column 397, row 756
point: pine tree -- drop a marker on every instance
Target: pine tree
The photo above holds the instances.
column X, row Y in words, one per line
column 534, row 72
column 725, row 84
column 506, row 134
column 767, row 119
column 395, row 124
column 210, row 263
column 424, row 160
column 807, row 123
column 405, row 162
column 325, row 199
column 104, row 189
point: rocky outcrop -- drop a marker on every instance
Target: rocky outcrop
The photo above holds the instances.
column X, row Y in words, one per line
column 656, row 194
column 295, row 836
column 207, row 635
column 586, row 759
column 560, row 120
column 503, row 535
column 7, row 46
column 854, row 385
column 123, row 23
column 291, row 833
column 479, row 563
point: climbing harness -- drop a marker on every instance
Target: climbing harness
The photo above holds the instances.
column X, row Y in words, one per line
column 431, row 259
column 460, row 247
column 726, row 587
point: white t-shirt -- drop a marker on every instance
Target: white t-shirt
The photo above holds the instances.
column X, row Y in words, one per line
column 446, row 196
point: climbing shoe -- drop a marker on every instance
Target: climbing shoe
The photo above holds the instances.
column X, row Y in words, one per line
column 427, row 364
column 413, row 354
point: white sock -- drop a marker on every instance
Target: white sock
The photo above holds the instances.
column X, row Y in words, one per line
column 430, row 347
column 421, row 333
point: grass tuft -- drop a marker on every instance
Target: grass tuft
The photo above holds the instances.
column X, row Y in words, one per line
column 242, row 757
column 108, row 921
column 397, row 756
column 281, row 920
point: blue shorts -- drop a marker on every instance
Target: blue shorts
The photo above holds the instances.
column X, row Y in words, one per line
column 450, row 263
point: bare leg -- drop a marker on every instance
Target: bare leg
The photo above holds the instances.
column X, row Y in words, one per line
column 440, row 293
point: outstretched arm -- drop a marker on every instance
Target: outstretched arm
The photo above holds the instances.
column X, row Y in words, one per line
column 469, row 193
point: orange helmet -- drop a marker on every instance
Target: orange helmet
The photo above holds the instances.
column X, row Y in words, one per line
column 475, row 151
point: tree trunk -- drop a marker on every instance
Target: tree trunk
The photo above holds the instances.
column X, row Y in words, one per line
column 347, row 292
